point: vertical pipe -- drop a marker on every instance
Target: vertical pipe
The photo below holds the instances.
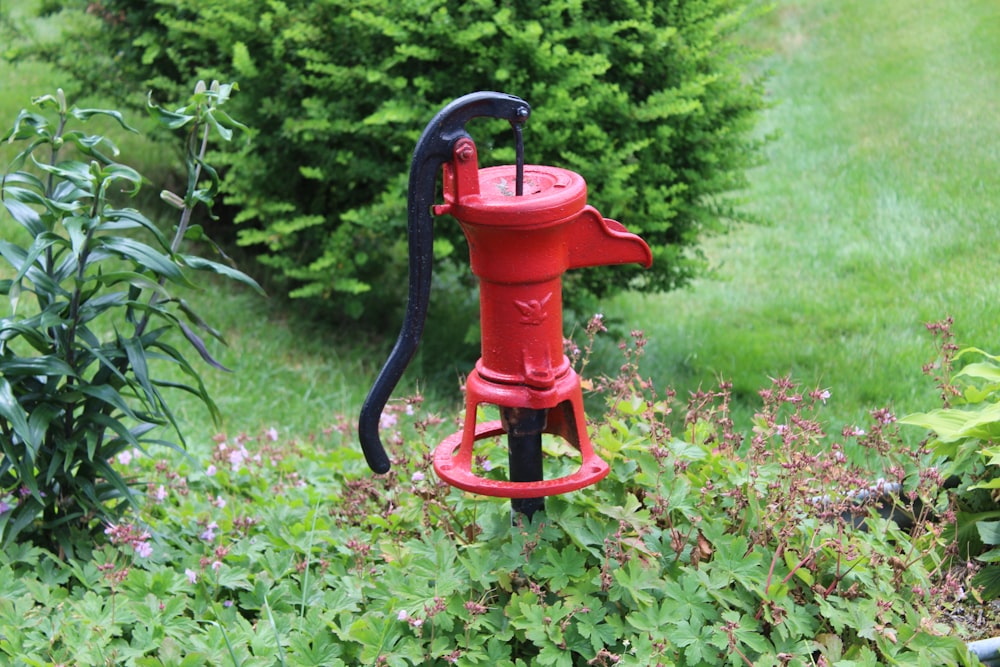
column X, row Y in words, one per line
column 524, row 428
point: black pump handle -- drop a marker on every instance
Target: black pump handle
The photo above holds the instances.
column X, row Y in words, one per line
column 433, row 150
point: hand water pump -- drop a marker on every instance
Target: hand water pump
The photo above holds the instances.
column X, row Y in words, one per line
column 526, row 225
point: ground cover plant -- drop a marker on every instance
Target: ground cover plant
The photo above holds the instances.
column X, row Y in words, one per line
column 707, row 545
column 966, row 432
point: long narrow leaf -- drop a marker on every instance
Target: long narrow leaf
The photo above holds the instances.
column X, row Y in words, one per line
column 15, row 414
column 42, row 243
column 34, row 366
column 201, row 391
column 106, row 396
column 111, row 475
column 135, row 279
column 198, row 344
column 24, row 215
column 140, row 369
column 41, row 417
column 123, row 218
column 87, row 114
column 75, row 172
column 146, row 257
column 202, row 264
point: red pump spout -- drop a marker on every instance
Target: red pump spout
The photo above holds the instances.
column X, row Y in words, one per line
column 599, row 241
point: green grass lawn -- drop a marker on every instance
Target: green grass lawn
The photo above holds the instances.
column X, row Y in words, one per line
column 882, row 193
column 881, row 197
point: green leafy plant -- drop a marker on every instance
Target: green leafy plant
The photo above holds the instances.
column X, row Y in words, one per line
column 965, row 433
column 89, row 343
column 708, row 544
column 653, row 103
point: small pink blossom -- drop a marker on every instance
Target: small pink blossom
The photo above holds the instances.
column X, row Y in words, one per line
column 402, row 615
column 143, row 549
column 216, row 565
column 211, row 470
column 272, row 434
column 191, row 575
column 387, row 420
column 417, row 477
column 125, row 457
column 160, row 494
column 236, row 458
column 209, row 533
column 219, row 502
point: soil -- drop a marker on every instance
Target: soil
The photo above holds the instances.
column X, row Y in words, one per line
column 973, row 620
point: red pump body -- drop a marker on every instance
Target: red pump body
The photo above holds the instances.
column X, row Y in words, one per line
column 519, row 247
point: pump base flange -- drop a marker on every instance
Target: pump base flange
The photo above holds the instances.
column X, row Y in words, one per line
column 456, row 469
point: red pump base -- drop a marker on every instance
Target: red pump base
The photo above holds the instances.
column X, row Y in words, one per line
column 453, row 457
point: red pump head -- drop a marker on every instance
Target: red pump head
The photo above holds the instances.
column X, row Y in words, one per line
column 526, row 226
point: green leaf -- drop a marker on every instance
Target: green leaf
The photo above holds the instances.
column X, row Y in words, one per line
column 24, row 215
column 169, row 119
column 199, row 345
column 653, row 617
column 562, row 566
column 134, row 279
column 73, row 171
column 952, row 424
column 146, row 257
column 988, row 578
column 46, row 365
column 202, row 264
column 989, row 531
column 136, row 352
column 87, row 114
column 15, row 414
column 981, row 370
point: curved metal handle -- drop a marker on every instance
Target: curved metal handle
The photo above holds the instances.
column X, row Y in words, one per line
column 433, row 149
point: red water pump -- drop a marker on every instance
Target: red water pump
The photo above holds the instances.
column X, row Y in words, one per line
column 526, row 225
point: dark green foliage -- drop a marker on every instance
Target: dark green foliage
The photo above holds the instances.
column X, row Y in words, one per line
column 650, row 102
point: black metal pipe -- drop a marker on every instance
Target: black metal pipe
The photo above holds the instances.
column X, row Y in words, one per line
column 524, row 428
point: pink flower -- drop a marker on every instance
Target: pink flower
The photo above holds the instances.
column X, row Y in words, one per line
column 272, row 434
column 125, row 457
column 191, row 575
column 236, row 458
column 417, row 477
column 160, row 494
column 209, row 533
column 211, row 470
column 143, row 549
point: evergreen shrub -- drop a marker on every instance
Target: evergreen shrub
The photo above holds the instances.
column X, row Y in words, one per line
column 651, row 102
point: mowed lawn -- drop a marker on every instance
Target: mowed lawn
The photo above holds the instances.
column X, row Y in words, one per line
column 881, row 195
